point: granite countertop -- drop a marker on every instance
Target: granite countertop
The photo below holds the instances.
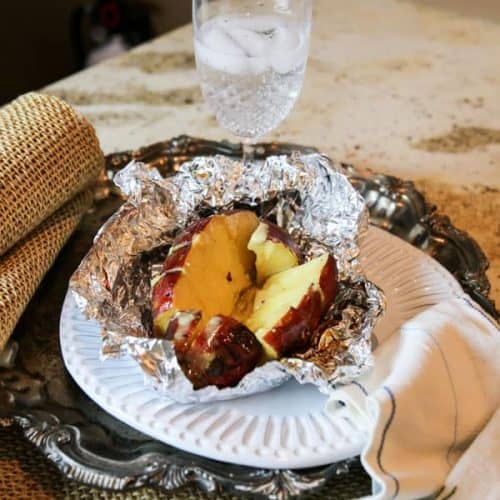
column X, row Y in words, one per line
column 391, row 85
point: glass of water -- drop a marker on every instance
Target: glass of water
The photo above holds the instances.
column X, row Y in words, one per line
column 251, row 56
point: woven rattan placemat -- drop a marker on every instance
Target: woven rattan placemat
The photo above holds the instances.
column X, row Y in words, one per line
column 26, row 474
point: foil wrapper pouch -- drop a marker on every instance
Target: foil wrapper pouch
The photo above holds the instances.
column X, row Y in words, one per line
column 307, row 195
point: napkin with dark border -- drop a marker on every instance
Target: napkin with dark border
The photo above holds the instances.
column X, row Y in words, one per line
column 49, row 156
column 424, row 406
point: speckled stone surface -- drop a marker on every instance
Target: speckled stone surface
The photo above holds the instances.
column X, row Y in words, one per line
column 395, row 86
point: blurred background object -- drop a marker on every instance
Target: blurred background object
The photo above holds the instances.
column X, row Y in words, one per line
column 106, row 28
column 43, row 41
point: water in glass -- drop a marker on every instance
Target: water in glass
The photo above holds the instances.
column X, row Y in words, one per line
column 251, row 69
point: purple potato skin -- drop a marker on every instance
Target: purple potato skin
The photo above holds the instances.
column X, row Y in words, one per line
column 293, row 332
column 278, row 235
column 221, row 354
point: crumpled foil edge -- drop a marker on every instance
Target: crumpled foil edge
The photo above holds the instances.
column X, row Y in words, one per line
column 308, row 195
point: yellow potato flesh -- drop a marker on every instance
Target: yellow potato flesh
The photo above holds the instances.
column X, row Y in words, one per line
column 280, row 293
column 217, row 270
column 271, row 257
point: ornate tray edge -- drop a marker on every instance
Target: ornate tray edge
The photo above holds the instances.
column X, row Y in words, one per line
column 61, row 443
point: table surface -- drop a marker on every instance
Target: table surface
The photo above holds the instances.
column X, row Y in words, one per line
column 394, row 86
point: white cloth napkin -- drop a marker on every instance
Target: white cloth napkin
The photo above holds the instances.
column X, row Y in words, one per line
column 434, row 386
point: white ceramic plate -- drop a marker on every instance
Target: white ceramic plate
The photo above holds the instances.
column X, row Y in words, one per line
column 282, row 428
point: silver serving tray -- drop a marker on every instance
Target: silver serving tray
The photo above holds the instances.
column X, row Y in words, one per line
column 90, row 446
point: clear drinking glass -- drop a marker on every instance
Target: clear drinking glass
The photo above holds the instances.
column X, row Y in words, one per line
column 251, row 57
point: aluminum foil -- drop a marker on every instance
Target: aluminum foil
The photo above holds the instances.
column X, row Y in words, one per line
column 308, row 195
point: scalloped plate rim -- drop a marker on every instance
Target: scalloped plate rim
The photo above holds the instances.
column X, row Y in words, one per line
column 294, row 458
